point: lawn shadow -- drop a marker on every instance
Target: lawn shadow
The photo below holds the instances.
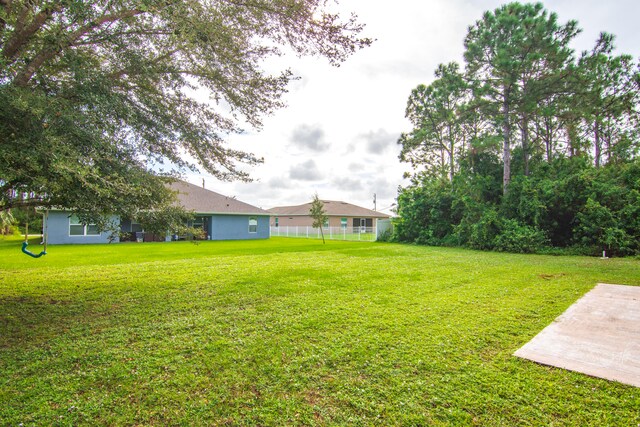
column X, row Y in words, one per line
column 28, row 321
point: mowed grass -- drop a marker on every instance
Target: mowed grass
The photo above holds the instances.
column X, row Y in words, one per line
column 293, row 332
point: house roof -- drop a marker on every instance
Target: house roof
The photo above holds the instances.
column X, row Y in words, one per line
column 201, row 200
column 331, row 207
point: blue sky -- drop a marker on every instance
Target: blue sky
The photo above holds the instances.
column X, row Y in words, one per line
column 338, row 134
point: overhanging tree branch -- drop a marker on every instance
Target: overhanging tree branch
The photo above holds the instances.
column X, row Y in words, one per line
column 49, row 52
column 23, row 34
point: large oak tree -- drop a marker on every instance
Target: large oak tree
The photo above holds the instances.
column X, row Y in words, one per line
column 93, row 94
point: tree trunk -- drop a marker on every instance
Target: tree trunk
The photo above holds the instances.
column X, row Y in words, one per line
column 443, row 162
column 607, row 140
column 572, row 138
column 547, row 138
column 525, row 144
column 468, row 151
column 506, row 152
column 597, row 143
column 451, row 157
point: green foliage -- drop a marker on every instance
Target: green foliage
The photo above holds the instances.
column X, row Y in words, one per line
column 564, row 204
column 436, row 139
column 597, row 227
column 385, row 236
column 7, row 223
column 516, row 237
column 27, row 216
column 96, row 96
column 547, row 143
column 479, row 228
column 168, row 219
column 609, row 103
column 424, row 213
column 516, row 57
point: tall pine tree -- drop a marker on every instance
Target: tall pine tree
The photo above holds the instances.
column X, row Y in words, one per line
column 507, row 52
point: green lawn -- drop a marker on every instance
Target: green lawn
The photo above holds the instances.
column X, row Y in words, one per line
column 293, row 332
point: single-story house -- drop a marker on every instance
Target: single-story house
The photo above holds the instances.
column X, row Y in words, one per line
column 341, row 214
column 221, row 218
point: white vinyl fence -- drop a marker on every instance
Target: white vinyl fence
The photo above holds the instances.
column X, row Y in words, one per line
column 365, row 234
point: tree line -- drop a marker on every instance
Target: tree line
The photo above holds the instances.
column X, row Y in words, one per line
column 529, row 146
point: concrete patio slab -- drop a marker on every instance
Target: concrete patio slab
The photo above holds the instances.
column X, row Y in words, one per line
column 599, row 335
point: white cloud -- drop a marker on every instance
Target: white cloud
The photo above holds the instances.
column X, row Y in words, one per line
column 347, row 184
column 279, row 182
column 379, row 141
column 307, row 171
column 310, row 137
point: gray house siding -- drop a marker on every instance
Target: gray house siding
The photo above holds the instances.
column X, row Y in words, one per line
column 221, row 217
column 236, row 227
column 219, row 227
column 58, row 231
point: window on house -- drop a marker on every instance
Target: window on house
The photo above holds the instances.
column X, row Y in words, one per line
column 277, row 222
column 135, row 227
column 253, row 224
column 343, row 223
column 92, row 230
column 325, row 224
column 76, row 228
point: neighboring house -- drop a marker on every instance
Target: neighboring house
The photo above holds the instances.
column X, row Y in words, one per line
column 341, row 214
column 221, row 218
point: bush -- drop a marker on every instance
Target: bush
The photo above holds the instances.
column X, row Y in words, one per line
column 520, row 238
column 598, row 229
column 425, row 213
column 479, row 232
column 565, row 203
column 386, row 236
column 7, row 223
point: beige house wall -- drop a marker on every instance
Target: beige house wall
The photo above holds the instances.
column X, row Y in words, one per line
column 292, row 221
column 307, row 221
